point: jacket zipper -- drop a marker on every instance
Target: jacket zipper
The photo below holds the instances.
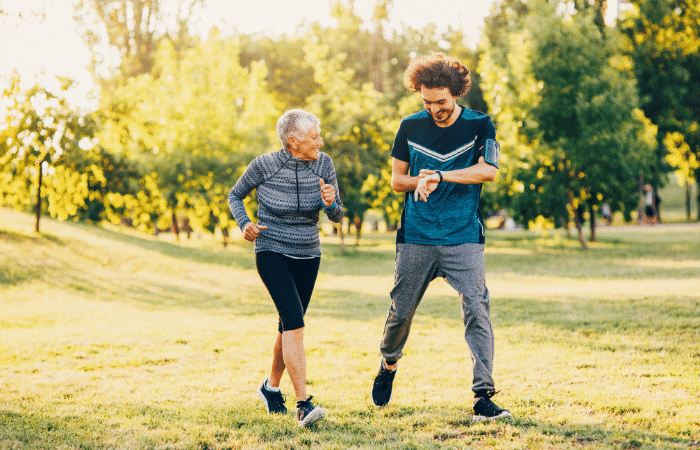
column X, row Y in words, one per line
column 296, row 172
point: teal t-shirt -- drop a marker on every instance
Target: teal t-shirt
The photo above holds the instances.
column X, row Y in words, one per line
column 451, row 215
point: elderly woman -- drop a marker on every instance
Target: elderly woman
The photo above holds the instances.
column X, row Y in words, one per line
column 293, row 185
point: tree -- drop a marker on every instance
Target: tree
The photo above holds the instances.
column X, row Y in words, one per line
column 357, row 126
column 191, row 130
column 289, row 77
column 39, row 132
column 684, row 160
column 664, row 44
column 133, row 29
column 565, row 107
column 20, row 11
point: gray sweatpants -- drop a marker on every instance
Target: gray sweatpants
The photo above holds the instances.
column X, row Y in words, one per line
column 463, row 267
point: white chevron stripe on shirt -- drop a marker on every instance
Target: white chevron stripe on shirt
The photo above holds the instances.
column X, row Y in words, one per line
column 442, row 158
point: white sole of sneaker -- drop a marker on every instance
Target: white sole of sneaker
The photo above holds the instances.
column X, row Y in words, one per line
column 502, row 415
column 314, row 416
column 264, row 400
column 381, row 406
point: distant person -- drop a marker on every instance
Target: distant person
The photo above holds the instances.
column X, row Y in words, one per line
column 293, row 185
column 441, row 157
column 649, row 205
column 607, row 214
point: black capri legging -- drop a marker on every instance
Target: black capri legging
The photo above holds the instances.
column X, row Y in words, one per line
column 290, row 282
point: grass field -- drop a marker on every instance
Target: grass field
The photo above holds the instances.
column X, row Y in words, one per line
column 114, row 340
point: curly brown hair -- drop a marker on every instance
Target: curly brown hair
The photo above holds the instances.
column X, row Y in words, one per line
column 437, row 71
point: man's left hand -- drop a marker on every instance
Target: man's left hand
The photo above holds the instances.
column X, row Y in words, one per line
column 428, row 181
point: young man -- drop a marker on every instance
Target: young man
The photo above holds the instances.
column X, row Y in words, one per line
column 442, row 155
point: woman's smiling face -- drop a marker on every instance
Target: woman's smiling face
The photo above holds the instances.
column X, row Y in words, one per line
column 308, row 147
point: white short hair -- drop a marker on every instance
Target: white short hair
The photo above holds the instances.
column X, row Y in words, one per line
column 295, row 122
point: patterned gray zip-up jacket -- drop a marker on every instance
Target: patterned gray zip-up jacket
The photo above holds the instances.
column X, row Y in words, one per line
column 289, row 198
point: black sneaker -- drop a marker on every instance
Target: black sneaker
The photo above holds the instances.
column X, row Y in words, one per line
column 485, row 409
column 307, row 413
column 381, row 391
column 274, row 401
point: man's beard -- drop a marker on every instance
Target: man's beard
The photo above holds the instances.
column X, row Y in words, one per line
column 448, row 113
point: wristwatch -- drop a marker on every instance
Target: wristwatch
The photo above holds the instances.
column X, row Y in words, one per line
column 439, row 174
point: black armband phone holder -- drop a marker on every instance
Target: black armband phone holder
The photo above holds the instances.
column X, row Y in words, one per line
column 492, row 152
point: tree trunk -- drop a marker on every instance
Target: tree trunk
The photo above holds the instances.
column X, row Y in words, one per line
column 186, row 227
column 640, row 208
column 175, row 227
column 358, row 229
column 38, row 197
column 565, row 225
column 577, row 221
column 593, row 223
column 224, row 233
column 688, row 195
column 342, row 236
column 657, row 203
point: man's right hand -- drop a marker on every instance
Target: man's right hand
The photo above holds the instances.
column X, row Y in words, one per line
column 251, row 231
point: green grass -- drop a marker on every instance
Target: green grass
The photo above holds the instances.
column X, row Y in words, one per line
column 110, row 339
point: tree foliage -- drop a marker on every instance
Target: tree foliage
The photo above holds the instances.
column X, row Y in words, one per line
column 132, row 30
column 191, row 130
column 180, row 116
column 356, row 124
column 664, row 44
column 40, row 135
column 565, row 108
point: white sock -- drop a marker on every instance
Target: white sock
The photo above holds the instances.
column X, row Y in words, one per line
column 270, row 388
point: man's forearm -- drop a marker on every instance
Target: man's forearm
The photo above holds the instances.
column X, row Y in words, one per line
column 476, row 174
column 403, row 183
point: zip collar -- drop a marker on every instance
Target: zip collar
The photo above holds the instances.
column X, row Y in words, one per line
column 287, row 157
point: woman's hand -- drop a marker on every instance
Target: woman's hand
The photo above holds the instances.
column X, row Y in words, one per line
column 327, row 193
column 251, row 231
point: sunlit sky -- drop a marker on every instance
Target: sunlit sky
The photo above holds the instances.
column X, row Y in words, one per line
column 51, row 45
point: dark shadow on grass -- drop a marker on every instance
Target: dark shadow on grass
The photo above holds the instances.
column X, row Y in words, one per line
column 584, row 266
column 20, row 238
column 583, row 435
column 450, row 427
column 214, row 426
column 530, row 254
column 367, row 261
column 246, row 300
column 587, row 321
column 13, row 270
column 15, row 275
column 38, row 431
column 575, row 323
column 541, row 257
column 235, row 255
